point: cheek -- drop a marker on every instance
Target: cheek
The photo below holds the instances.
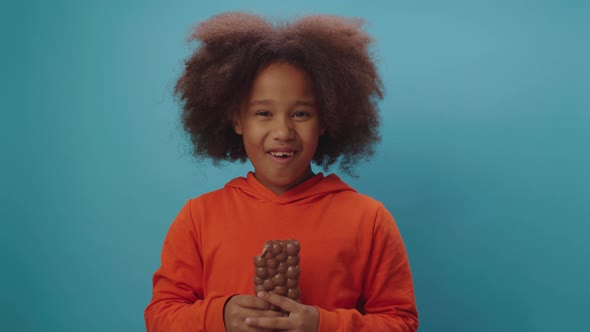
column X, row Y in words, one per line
column 249, row 143
column 252, row 138
column 313, row 134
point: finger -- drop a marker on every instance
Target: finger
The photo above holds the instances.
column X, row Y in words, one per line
column 252, row 302
column 274, row 323
column 260, row 313
column 282, row 302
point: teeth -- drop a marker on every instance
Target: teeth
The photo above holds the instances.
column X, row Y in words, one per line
column 282, row 154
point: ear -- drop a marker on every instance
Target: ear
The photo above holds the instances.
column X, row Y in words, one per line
column 237, row 124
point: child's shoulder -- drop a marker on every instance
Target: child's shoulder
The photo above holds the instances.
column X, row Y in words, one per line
column 217, row 195
column 359, row 202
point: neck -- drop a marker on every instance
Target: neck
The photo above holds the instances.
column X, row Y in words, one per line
column 281, row 189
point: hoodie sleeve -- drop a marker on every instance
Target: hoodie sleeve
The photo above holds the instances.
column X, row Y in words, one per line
column 177, row 297
column 389, row 303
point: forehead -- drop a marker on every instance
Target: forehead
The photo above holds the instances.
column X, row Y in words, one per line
column 282, row 82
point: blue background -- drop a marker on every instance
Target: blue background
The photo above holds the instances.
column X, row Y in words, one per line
column 484, row 160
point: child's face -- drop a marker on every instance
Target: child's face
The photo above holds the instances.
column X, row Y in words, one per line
column 280, row 125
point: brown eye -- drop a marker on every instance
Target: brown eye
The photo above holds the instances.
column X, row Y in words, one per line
column 262, row 113
column 300, row 114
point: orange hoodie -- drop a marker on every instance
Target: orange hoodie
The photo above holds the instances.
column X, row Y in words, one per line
column 354, row 266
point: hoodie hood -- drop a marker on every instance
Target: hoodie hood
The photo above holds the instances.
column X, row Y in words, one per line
column 311, row 190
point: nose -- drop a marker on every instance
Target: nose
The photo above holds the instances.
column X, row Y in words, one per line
column 283, row 129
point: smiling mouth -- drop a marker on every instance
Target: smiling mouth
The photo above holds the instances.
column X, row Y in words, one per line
column 282, row 154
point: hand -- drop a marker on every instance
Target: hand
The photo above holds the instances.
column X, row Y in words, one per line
column 301, row 318
column 241, row 306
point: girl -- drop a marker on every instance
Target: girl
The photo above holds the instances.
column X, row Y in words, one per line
column 282, row 96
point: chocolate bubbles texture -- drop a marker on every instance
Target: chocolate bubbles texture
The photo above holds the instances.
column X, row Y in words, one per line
column 276, row 269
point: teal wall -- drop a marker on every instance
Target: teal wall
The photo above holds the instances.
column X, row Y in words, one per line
column 484, row 162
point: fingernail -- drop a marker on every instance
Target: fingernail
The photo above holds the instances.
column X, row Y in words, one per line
column 261, row 294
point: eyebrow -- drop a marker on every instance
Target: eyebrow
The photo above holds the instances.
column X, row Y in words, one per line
column 268, row 102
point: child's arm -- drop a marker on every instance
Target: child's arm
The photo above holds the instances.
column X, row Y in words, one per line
column 177, row 303
column 388, row 292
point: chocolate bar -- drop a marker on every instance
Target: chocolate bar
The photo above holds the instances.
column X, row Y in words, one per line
column 276, row 269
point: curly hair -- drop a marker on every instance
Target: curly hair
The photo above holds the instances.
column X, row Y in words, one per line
column 234, row 47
